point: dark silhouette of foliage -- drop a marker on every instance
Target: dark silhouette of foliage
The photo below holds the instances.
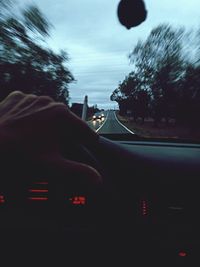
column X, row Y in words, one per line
column 165, row 83
column 131, row 97
column 26, row 63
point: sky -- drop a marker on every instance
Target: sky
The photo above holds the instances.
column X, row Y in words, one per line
column 98, row 45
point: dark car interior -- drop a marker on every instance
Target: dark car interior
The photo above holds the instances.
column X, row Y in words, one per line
column 145, row 212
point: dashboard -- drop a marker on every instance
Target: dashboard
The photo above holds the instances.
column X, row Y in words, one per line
column 147, row 209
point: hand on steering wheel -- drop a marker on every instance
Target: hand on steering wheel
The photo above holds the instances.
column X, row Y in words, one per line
column 36, row 127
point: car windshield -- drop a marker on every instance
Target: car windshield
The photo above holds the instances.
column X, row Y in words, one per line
column 121, row 78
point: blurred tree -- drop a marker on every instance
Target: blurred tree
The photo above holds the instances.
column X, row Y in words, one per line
column 159, row 64
column 131, row 97
column 165, row 82
column 188, row 107
column 26, row 64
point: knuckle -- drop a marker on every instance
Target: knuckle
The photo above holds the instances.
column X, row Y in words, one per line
column 31, row 96
column 45, row 98
column 44, row 101
column 17, row 94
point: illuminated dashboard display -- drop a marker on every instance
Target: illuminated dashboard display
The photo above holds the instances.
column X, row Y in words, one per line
column 38, row 192
column 2, row 199
column 78, row 200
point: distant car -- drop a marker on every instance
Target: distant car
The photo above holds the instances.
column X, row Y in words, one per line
column 94, row 117
column 98, row 117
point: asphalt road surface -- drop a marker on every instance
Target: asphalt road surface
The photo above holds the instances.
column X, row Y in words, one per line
column 110, row 125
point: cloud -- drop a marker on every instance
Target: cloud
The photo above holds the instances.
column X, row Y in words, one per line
column 98, row 44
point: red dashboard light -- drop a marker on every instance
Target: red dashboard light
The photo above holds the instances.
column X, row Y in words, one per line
column 2, row 199
column 144, row 208
column 182, row 254
column 78, row 200
column 38, row 190
column 38, row 198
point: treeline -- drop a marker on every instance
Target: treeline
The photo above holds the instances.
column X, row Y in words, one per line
column 26, row 62
column 165, row 81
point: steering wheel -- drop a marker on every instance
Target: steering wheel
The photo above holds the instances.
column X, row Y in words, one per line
column 82, row 229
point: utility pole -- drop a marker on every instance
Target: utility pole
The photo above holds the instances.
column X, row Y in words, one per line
column 84, row 111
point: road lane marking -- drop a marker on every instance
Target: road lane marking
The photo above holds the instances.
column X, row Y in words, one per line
column 123, row 125
column 103, row 123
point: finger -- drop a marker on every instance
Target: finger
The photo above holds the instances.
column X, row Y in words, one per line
column 31, row 104
column 10, row 101
column 72, row 125
column 43, row 109
column 59, row 121
column 22, row 105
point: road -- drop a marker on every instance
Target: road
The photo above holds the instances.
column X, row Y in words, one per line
column 110, row 125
